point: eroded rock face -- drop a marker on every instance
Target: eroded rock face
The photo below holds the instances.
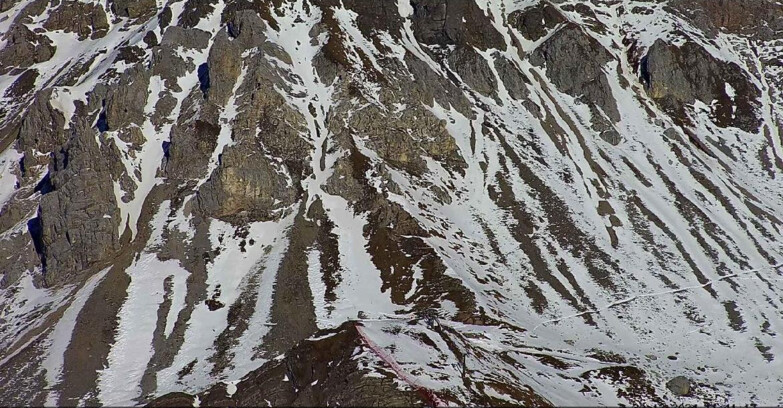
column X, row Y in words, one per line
column 79, row 218
column 319, row 372
column 246, row 186
column 756, row 18
column 134, row 8
column 246, row 26
column 192, row 142
column 444, row 22
column 371, row 15
column 24, row 48
column 85, row 19
column 223, row 68
column 194, row 10
column 536, row 21
column 575, row 63
column 42, row 129
column 678, row 76
column 23, row 84
column 513, row 80
column 22, row 257
column 126, row 101
column 474, row 70
column 188, row 38
column 403, row 140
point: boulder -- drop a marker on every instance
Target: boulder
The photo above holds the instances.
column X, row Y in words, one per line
column 679, row 386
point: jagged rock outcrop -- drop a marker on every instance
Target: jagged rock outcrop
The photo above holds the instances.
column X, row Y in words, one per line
column 194, row 11
column 513, row 79
column 42, row 130
column 125, row 102
column 321, row 371
column 474, row 70
column 246, row 186
column 23, row 84
column 85, row 19
column 679, row 75
column 755, row 18
column 443, row 22
column 402, row 140
column 223, row 68
column 536, row 21
column 575, row 62
column 192, row 142
column 133, row 8
column 23, row 48
column 78, row 215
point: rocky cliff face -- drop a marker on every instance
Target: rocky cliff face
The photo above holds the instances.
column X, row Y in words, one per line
column 392, row 202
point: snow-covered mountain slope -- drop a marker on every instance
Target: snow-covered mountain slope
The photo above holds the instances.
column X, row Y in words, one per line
column 432, row 202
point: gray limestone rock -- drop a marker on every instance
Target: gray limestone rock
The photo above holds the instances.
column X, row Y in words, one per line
column 23, row 48
column 248, row 28
column 454, row 22
column 125, row 101
column 679, row 386
column 169, row 65
column 188, row 38
column 247, row 186
column 84, row 19
column 402, row 139
column 134, row 8
column 575, row 63
column 23, row 84
column 192, row 140
column 42, row 130
column 430, row 87
column 224, row 65
column 474, row 70
column 79, row 218
column 536, row 21
column 513, row 79
column 20, row 257
column 195, row 10
column 678, row 76
column 760, row 19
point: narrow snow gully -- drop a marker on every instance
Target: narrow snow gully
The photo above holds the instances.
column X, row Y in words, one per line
column 309, row 95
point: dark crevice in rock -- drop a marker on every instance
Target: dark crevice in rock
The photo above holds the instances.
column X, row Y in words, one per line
column 101, row 124
column 35, row 229
column 203, row 78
